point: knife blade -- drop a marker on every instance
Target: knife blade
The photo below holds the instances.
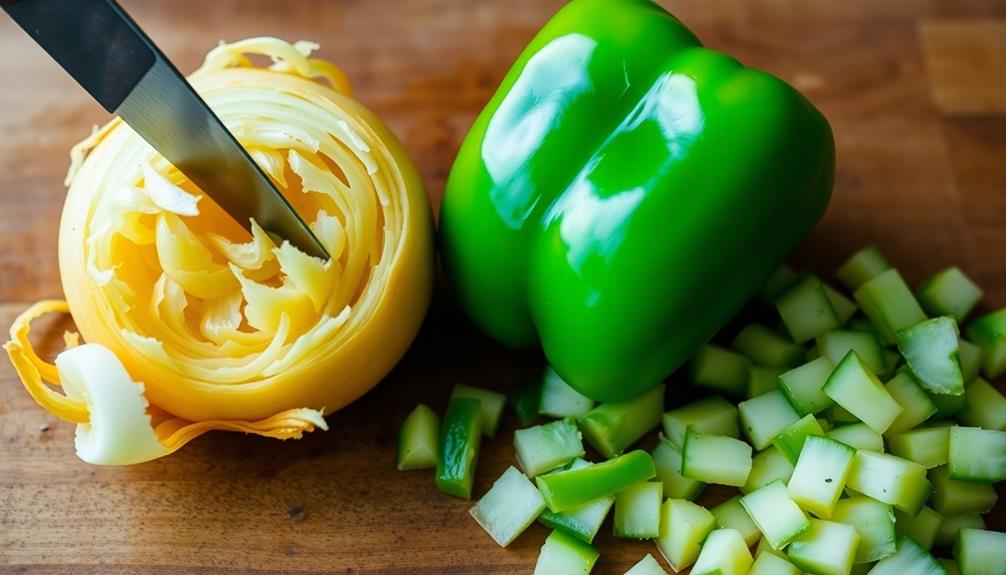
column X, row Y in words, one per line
column 104, row 50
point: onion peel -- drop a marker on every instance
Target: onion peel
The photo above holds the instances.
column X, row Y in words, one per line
column 193, row 324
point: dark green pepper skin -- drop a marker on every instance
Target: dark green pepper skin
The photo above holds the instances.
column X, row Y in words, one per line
column 526, row 400
column 460, row 439
column 625, row 192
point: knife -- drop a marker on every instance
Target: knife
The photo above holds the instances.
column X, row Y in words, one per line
column 101, row 47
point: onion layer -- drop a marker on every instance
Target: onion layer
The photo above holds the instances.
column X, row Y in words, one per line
column 192, row 323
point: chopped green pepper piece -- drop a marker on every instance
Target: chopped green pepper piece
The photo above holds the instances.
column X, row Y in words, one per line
column 927, row 446
column 874, row 521
column 417, row 439
column 949, row 292
column 858, row 436
column 563, row 553
column 790, row 441
column 844, row 307
column 806, row 309
column 981, row 552
column 825, row 425
column 977, row 454
column 526, row 400
column 804, row 386
column 715, row 459
column 989, row 332
column 544, row 447
column 776, row 515
column 731, row 515
column 584, row 521
column 637, row 511
column 720, row 369
column 460, row 436
column 667, row 460
column 916, row 406
column 570, row 488
column 771, row 564
column 837, row 343
column 970, row 356
column 767, row 466
column 646, row 566
column 510, row 505
column 838, row 414
column 724, row 552
column 930, row 348
column 765, row 347
column 855, row 387
column 683, row 527
column 765, row 416
column 827, row 548
column 921, row 527
column 611, row 427
column 986, row 406
column 492, row 405
column 820, row 475
column 558, row 399
column 762, row 380
column 890, row 480
column 764, row 548
column 948, row 406
column 952, row 524
column 889, row 304
column 952, row 496
column 862, row 267
column 911, row 559
column 713, row 415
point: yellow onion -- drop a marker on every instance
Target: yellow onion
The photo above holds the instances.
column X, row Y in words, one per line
column 193, row 324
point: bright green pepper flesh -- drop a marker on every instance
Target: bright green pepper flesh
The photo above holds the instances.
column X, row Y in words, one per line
column 625, row 192
column 567, row 489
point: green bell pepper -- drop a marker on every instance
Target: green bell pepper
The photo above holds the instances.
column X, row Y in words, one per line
column 625, row 192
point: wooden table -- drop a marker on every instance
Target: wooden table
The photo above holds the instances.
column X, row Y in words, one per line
column 915, row 91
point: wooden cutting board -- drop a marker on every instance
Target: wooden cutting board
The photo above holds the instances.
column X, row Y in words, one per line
column 915, row 91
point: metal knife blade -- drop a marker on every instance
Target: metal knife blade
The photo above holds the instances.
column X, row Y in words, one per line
column 110, row 57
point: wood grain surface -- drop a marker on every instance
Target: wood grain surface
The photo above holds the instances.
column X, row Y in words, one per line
column 915, row 91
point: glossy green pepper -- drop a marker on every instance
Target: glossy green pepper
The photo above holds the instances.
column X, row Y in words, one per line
column 625, row 192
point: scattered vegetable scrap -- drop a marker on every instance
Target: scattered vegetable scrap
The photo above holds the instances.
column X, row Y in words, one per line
column 865, row 446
